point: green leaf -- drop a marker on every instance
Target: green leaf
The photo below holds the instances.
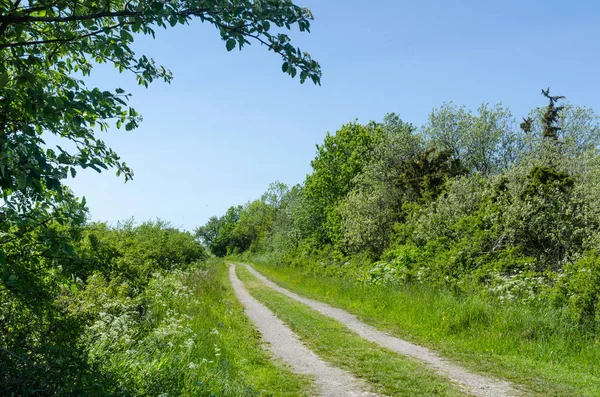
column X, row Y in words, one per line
column 284, row 67
column 230, row 45
column 3, row 260
column 119, row 91
column 22, row 180
column 3, row 79
column 303, row 76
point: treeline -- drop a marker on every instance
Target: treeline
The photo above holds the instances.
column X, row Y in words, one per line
column 477, row 202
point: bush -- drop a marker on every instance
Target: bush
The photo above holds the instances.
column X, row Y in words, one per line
column 397, row 266
column 578, row 290
column 133, row 253
column 99, row 284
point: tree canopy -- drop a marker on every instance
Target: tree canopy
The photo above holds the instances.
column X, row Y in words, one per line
column 45, row 45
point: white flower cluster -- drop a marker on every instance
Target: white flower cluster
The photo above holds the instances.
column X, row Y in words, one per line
column 519, row 287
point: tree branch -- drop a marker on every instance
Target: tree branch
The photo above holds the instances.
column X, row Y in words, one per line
column 64, row 40
column 4, row 25
column 20, row 19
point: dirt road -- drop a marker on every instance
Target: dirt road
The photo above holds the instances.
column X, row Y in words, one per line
column 468, row 381
column 285, row 345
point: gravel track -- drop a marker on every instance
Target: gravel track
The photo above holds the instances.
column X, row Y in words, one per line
column 466, row 380
column 285, row 345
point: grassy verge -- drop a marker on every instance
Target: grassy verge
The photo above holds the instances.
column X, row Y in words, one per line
column 198, row 343
column 388, row 372
column 529, row 346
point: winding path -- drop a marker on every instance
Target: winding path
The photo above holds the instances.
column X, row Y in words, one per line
column 468, row 381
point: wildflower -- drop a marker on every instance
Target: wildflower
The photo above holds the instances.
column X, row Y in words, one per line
column 188, row 343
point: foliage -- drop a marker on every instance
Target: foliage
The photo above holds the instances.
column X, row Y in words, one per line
column 217, row 233
column 578, row 289
column 251, row 230
column 276, row 195
column 487, row 143
column 47, row 49
column 403, row 171
column 339, row 160
column 133, row 253
column 50, row 307
column 371, row 208
column 469, row 202
column 191, row 339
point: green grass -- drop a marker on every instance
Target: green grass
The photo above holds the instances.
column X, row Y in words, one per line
column 200, row 343
column 256, row 365
column 389, row 373
column 530, row 346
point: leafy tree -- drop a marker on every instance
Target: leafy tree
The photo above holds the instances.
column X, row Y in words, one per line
column 295, row 222
column 547, row 213
column 44, row 45
column 218, row 233
column 285, row 232
column 253, row 227
column 339, row 160
column 487, row 142
column 209, row 231
column 374, row 204
column 276, row 194
column 377, row 204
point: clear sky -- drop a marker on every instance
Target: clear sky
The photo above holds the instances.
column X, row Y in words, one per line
column 231, row 123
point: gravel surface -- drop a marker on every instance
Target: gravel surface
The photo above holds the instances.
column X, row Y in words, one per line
column 468, row 381
column 285, row 345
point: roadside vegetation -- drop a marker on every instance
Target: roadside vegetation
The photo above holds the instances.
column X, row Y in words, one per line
column 88, row 309
column 475, row 233
column 530, row 346
column 144, row 314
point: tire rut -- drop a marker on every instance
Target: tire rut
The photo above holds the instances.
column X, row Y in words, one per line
column 285, row 345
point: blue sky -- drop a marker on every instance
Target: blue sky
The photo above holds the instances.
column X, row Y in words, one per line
column 231, row 122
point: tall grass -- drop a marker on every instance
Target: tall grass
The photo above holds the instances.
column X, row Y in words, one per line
column 533, row 345
column 194, row 340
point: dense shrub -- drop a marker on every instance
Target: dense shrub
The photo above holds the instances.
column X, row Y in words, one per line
column 578, row 290
column 133, row 253
column 101, row 279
